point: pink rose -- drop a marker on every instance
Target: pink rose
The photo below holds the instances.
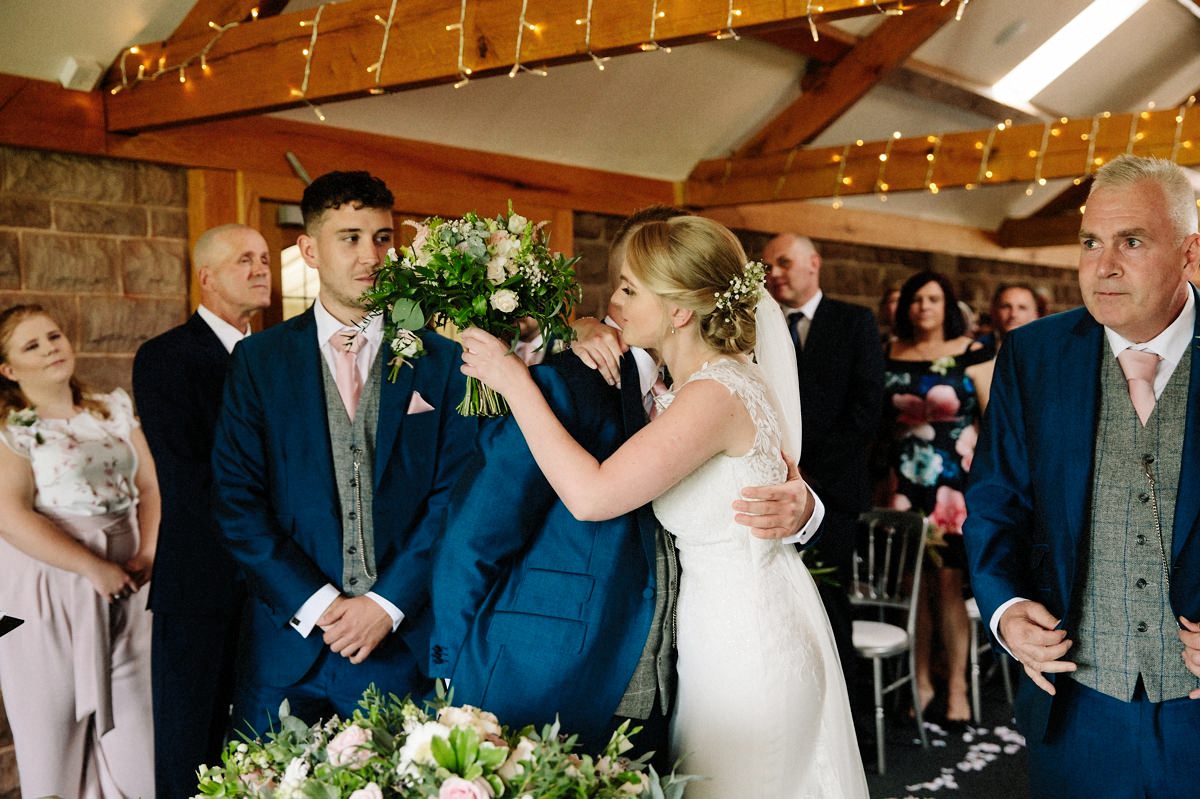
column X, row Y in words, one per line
column 458, row 788
column 949, row 510
column 348, row 747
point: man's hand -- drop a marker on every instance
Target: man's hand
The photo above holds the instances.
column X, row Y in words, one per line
column 354, row 626
column 600, row 347
column 1028, row 631
column 1190, row 635
column 775, row 511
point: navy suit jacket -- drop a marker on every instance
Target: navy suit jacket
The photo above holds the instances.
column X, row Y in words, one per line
column 1028, row 499
column 841, row 397
column 178, row 378
column 538, row 614
column 277, row 500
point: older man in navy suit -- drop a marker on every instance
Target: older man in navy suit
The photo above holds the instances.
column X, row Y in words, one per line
column 1082, row 517
column 332, row 482
column 196, row 594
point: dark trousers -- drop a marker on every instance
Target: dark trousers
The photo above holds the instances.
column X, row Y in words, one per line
column 192, row 666
column 1097, row 746
column 332, row 685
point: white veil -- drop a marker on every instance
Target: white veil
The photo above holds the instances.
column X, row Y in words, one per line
column 776, row 358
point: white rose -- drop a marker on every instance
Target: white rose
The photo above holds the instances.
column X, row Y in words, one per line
column 469, row 716
column 349, row 747
column 523, row 752
column 371, row 791
column 504, row 301
column 516, row 224
column 418, row 748
column 496, row 271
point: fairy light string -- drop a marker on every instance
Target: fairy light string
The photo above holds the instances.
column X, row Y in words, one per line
column 729, row 32
column 931, row 159
column 377, row 67
column 1180, row 116
column 587, row 38
column 841, row 176
column 464, row 72
column 812, row 25
column 881, row 186
column 655, row 15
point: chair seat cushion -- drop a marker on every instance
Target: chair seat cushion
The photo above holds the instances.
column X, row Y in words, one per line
column 972, row 609
column 875, row 639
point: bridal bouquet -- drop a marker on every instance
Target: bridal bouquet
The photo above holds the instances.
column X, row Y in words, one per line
column 390, row 748
column 473, row 271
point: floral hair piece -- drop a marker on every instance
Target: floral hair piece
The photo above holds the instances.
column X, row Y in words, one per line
column 743, row 289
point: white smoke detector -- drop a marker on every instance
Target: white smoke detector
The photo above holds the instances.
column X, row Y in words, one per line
column 80, row 75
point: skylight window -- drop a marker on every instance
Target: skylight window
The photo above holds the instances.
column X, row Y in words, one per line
column 1060, row 51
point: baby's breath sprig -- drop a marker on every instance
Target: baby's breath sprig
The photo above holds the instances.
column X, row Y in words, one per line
column 743, row 289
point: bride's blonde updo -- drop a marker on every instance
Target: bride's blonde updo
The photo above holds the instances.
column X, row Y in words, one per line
column 693, row 262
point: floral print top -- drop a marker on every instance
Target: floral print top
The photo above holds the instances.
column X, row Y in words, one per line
column 82, row 466
column 931, row 410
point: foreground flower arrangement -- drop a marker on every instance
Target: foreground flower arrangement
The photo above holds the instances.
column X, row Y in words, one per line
column 487, row 273
column 390, row 748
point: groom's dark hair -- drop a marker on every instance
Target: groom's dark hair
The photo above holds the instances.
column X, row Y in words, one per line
column 335, row 189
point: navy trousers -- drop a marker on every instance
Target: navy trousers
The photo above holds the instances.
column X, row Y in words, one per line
column 1097, row 746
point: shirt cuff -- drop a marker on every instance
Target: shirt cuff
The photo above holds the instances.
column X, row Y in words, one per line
column 806, row 532
column 388, row 608
column 994, row 623
column 306, row 617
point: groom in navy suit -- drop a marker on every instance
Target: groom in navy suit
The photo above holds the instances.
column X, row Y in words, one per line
column 332, row 482
column 1083, row 511
column 539, row 615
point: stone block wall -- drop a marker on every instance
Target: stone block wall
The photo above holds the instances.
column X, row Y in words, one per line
column 102, row 244
column 851, row 272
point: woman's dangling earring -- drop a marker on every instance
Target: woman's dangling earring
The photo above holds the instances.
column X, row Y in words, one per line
column 673, row 329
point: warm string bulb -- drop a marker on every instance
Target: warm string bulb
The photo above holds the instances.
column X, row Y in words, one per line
column 891, row 12
column 812, row 25
column 377, row 67
column 881, row 186
column 729, row 32
column 464, row 72
column 1091, row 140
column 655, row 16
column 1180, row 116
column 984, row 172
column 587, row 38
column 163, row 67
column 841, row 176
column 1040, row 155
column 931, row 158
column 522, row 25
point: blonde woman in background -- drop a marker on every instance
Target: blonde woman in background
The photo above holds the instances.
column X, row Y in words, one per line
column 79, row 511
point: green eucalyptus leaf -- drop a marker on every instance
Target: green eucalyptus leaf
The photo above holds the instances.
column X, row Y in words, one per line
column 407, row 314
column 444, row 753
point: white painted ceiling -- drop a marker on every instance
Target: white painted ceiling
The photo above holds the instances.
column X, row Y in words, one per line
column 656, row 114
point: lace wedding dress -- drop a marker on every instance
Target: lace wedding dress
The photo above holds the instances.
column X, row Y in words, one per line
column 762, row 709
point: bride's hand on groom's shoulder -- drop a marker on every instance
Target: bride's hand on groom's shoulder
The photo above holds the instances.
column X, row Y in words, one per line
column 600, row 347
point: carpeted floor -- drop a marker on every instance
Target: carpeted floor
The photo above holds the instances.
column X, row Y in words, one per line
column 985, row 761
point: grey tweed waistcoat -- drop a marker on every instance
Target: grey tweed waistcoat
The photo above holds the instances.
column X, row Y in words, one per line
column 1125, row 627
column 353, row 446
column 655, row 671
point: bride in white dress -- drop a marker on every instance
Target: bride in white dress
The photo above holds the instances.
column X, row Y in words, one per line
column 762, row 709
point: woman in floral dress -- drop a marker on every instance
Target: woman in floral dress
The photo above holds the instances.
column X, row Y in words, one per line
column 79, row 512
column 935, row 387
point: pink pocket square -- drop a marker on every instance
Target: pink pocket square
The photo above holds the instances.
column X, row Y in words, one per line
column 418, row 404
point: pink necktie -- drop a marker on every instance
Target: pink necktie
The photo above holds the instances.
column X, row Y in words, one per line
column 657, row 390
column 345, row 344
column 1139, row 367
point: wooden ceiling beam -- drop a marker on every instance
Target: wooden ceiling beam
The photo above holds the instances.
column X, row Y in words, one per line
column 959, row 159
column 854, row 74
column 261, row 66
column 219, row 12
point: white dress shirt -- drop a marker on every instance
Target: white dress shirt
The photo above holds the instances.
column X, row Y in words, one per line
column 227, row 333
column 804, row 323
column 304, row 619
